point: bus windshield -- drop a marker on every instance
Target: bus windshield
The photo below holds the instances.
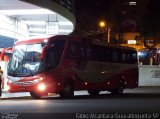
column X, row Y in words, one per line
column 26, row 60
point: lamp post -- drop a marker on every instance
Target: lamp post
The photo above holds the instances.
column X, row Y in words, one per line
column 102, row 24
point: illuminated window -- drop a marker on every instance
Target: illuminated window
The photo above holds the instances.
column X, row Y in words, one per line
column 131, row 41
column 132, row 3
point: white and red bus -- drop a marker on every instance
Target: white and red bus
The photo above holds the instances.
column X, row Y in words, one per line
column 6, row 54
column 64, row 64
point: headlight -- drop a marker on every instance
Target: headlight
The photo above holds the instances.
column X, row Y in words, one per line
column 41, row 87
column 10, row 81
column 7, row 87
column 36, row 80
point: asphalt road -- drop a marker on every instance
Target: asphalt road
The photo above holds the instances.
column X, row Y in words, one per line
column 136, row 103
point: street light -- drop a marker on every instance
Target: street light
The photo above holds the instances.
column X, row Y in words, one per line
column 102, row 24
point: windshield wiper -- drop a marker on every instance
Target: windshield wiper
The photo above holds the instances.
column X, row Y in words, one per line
column 22, row 71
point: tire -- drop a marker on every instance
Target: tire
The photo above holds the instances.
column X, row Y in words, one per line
column 120, row 88
column 35, row 95
column 67, row 91
column 93, row 92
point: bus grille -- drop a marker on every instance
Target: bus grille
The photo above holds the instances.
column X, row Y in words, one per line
column 24, row 83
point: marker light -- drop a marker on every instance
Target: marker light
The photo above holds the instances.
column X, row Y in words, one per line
column 41, row 79
column 10, row 81
column 45, row 40
column 37, row 80
column 41, row 87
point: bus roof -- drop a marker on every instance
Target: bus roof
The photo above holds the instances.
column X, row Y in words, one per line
column 72, row 37
column 41, row 39
column 31, row 41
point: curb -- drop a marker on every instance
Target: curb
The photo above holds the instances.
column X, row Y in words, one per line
column 19, row 95
column 23, row 97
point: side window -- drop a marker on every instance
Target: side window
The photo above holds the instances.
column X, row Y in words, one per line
column 134, row 57
column 128, row 56
column 115, row 55
column 76, row 50
column 51, row 59
column 108, row 54
column 88, row 52
column 54, row 53
column 101, row 54
column 123, row 57
column 72, row 50
column 95, row 53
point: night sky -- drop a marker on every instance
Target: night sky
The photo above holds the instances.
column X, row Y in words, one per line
column 90, row 12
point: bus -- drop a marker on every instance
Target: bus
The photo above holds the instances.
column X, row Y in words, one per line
column 63, row 64
column 6, row 54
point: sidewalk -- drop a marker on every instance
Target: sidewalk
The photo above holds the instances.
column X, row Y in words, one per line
column 6, row 94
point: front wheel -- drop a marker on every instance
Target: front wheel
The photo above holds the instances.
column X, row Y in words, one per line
column 67, row 91
column 35, row 95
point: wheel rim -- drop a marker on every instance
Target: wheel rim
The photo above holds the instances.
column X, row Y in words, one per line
column 34, row 95
column 67, row 90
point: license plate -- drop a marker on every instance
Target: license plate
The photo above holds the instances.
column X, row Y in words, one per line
column 22, row 88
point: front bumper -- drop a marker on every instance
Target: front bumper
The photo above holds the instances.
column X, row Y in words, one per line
column 49, row 88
